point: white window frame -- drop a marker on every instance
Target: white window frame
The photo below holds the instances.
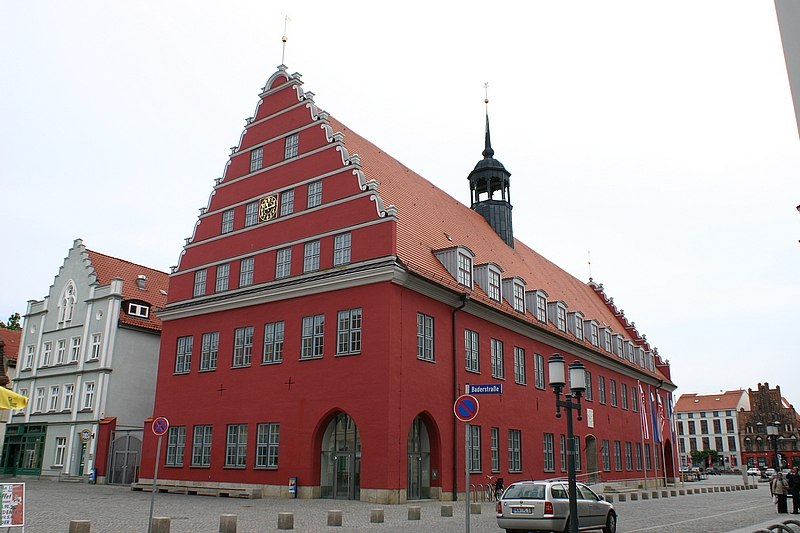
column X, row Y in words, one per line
column 514, row 450
column 39, row 402
column 283, row 263
column 472, row 350
column 541, row 308
column 209, row 350
column 494, row 285
column 60, row 451
column 227, row 221
column 273, row 342
column 520, row 376
column 538, row 369
column 246, row 270
column 311, row 252
column 291, row 146
column 464, row 269
column 236, row 446
column 267, row 445
column 498, row 366
column 47, row 354
column 61, row 351
column 176, row 445
column 426, row 346
column 349, row 332
column 494, row 442
column 256, row 158
column 287, row 202
column 314, row 194
column 96, row 348
column 341, row 249
column 30, row 353
column 87, row 400
column 142, row 311
column 251, row 214
column 201, row 445
column 68, row 399
column 183, row 354
column 518, row 297
column 55, row 396
column 223, row 277
column 313, row 337
column 242, row 346
column 200, row 277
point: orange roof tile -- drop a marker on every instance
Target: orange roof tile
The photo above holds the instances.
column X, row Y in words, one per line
column 708, row 402
column 11, row 338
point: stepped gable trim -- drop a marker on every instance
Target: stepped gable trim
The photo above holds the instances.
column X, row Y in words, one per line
column 426, row 214
column 238, row 150
column 630, row 327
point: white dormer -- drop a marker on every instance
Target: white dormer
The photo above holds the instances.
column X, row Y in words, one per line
column 575, row 324
column 488, row 278
column 557, row 314
column 638, row 354
column 592, row 331
column 619, row 347
column 536, row 302
column 457, row 261
column 608, row 343
column 629, row 351
column 514, row 292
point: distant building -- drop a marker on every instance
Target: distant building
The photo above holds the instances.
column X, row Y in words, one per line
column 87, row 361
column 331, row 305
column 710, row 422
column 770, row 429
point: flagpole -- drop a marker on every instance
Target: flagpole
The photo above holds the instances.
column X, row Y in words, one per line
column 642, row 422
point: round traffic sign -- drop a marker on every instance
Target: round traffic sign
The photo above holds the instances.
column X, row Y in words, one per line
column 160, row 426
column 466, row 407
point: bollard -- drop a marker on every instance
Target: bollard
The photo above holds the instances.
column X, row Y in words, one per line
column 447, row 509
column 664, row 494
column 623, row 498
column 717, row 489
column 609, row 498
column 376, row 516
column 227, row 523
column 654, row 495
column 634, row 496
column 414, row 512
column 160, row 524
column 79, row 526
column 704, row 490
column 645, row 496
column 334, row 518
column 681, row 492
column 474, row 508
column 285, row 520
column 673, row 493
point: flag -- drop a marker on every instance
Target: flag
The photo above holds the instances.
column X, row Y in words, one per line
column 661, row 418
column 643, row 411
column 11, row 400
column 654, row 417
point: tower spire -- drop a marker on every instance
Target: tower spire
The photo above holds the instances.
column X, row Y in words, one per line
column 487, row 151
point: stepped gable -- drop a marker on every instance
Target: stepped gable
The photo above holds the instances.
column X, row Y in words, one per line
column 429, row 219
column 107, row 268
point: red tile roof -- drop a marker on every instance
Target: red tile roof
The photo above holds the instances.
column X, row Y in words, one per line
column 155, row 291
column 11, row 338
column 708, row 402
column 429, row 219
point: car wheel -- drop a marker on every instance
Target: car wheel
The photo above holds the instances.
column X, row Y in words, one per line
column 611, row 524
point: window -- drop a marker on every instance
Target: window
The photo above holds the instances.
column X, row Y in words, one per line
column 256, row 158
column 541, row 308
column 139, row 310
column 601, row 387
column 519, row 365
column 613, row 387
column 647, row 464
column 563, row 452
column 619, row 346
column 24, row 392
column 311, row 256
column 61, row 451
column 617, row 455
column 287, row 202
column 273, row 342
column 475, row 442
column 538, row 369
column 88, row 395
column 199, row 283
column 55, row 395
column 607, row 340
column 227, row 221
column 692, row 429
column 341, row 249
column 494, row 285
column 290, row 148
column 731, row 443
column 628, row 457
column 201, row 446
column 703, row 426
column 314, row 194
column 595, row 333
column 549, row 457
column 94, row 353
column 75, row 349
column 39, row 405
column 242, row 346
column 69, row 397
column 717, row 426
column 223, row 273
column 495, row 444
column 183, row 355
column 425, row 337
column 176, row 441
column 638, row 456
column 61, row 350
column 67, row 304
column 578, row 327
column 251, row 214
column 349, row 332
column 514, row 450
column 246, row 268
column 497, row 359
column 30, row 351
column 519, row 297
column 623, row 394
column 208, row 351
column 577, row 444
column 706, row 443
column 561, row 318
column 588, row 393
column 471, row 350
column 634, row 400
column 465, row 270
column 605, row 452
column 313, row 337
column 718, row 444
column 268, row 437
column 728, row 425
column 47, row 354
column 283, row 263
column 236, row 446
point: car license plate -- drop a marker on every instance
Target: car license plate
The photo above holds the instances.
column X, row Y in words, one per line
column 522, row 510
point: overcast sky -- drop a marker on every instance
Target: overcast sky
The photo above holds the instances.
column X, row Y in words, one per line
column 659, row 136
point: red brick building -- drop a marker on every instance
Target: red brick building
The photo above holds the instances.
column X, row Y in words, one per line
column 331, row 305
column 770, row 430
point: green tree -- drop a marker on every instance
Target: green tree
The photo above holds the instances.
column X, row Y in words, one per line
column 13, row 322
column 702, row 458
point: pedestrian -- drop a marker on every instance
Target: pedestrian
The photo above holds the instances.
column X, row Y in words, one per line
column 794, row 489
column 780, row 488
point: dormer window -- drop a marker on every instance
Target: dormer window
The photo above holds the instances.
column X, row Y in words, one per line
column 629, row 351
column 464, row 269
column 575, row 322
column 519, row 298
column 135, row 309
column 618, row 345
column 607, row 340
column 494, row 285
column 458, row 262
column 594, row 331
column 514, row 293
column 541, row 308
column 557, row 314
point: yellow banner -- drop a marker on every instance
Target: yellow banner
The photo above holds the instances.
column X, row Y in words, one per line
column 11, row 400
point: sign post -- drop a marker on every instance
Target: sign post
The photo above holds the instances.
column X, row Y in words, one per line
column 13, row 505
column 466, row 409
column 160, row 427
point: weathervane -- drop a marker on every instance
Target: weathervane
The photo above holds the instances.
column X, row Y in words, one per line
column 486, row 92
column 286, row 21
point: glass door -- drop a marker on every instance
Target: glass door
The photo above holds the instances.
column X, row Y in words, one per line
column 343, row 480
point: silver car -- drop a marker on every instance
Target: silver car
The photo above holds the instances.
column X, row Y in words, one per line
column 544, row 506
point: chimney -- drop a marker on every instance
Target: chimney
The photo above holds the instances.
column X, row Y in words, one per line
column 141, row 281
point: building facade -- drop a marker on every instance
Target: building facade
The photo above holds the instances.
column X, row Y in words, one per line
column 87, row 362
column 710, row 422
column 9, row 347
column 331, row 305
column 770, row 429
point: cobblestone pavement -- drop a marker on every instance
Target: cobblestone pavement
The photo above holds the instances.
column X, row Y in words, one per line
column 50, row 506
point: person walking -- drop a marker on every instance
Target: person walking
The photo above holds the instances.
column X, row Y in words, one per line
column 780, row 488
column 793, row 479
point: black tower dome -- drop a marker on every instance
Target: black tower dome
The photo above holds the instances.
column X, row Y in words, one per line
column 487, row 178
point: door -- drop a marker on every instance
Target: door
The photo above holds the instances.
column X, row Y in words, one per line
column 341, row 460
column 343, row 480
column 418, row 477
column 414, row 476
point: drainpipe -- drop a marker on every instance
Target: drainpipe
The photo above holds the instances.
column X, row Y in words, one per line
column 456, row 393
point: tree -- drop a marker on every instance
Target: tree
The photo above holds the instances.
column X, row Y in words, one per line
column 704, row 458
column 13, row 322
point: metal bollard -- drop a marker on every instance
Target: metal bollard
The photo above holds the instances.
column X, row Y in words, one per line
column 285, row 520
column 334, row 518
column 376, row 516
column 447, row 509
column 79, row 526
column 160, row 524
column 227, row 523
column 414, row 512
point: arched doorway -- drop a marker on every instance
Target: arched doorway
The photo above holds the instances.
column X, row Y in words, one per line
column 592, row 470
column 340, row 476
column 418, row 483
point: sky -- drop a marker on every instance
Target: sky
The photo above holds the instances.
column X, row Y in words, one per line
column 652, row 145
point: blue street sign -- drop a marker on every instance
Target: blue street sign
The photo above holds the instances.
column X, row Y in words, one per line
column 492, row 388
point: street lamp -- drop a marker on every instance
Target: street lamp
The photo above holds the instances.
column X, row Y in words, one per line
column 772, row 433
column 577, row 386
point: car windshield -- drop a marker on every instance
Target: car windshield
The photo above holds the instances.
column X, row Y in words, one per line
column 528, row 492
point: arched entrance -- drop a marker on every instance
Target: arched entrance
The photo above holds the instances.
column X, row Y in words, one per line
column 340, row 475
column 419, row 461
column 592, row 470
